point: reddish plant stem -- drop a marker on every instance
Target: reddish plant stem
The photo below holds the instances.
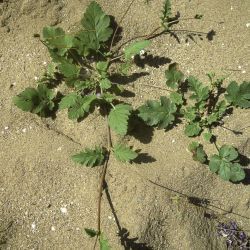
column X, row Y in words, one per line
column 102, row 178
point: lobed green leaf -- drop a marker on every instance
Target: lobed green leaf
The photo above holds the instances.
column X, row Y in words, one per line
column 123, row 153
column 229, row 153
column 90, row 157
column 56, row 40
column 118, row 118
column 174, row 76
column 158, row 113
column 135, row 48
column 97, row 26
column 239, row 95
column 198, row 152
column 201, row 93
column 192, row 129
column 38, row 101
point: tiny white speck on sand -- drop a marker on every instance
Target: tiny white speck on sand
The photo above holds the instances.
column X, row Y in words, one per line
column 53, row 228
column 24, row 130
column 248, row 25
column 64, row 210
column 33, row 226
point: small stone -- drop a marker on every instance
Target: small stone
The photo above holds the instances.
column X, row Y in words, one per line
column 24, row 130
column 6, row 127
column 64, row 210
column 239, row 67
column 110, row 217
column 53, row 228
column 173, row 141
column 243, row 72
column 248, row 25
column 33, row 226
column 36, row 78
column 59, row 149
column 44, row 63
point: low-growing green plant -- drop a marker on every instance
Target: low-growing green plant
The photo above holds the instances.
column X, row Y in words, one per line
column 82, row 61
column 203, row 108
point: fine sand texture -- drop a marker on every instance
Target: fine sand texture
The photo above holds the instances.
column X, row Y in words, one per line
column 163, row 201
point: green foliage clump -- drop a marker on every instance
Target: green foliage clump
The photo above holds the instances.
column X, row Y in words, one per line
column 203, row 107
column 82, row 62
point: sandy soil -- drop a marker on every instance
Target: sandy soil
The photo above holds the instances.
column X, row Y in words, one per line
column 46, row 200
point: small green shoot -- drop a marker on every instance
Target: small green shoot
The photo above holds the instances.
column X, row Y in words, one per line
column 225, row 163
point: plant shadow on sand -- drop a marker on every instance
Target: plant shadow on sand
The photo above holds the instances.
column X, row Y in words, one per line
column 126, row 242
column 200, row 202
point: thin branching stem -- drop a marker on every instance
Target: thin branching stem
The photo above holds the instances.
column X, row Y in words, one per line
column 102, row 178
column 155, row 86
column 117, row 27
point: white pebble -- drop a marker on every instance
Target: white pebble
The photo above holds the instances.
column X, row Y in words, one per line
column 232, row 8
column 248, row 25
column 24, row 130
column 142, row 52
column 110, row 217
column 33, row 226
column 243, row 71
column 6, row 127
column 53, row 228
column 59, row 149
column 239, row 67
column 173, row 141
column 36, row 78
column 64, row 210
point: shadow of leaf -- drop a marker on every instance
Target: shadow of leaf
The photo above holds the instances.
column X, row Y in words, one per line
column 144, row 158
column 152, row 61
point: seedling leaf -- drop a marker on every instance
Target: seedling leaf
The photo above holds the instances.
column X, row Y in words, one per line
column 69, row 70
column 198, row 152
column 135, row 48
column 224, row 165
column 207, row 136
column 56, row 40
column 118, row 118
column 214, row 163
column 228, row 153
column 239, row 95
column 237, row 173
column 90, row 157
column 225, row 170
column 105, row 83
column 192, row 129
column 80, row 106
column 108, row 97
column 37, row 101
column 173, row 76
column 91, row 232
column 124, row 153
column 176, row 98
column 166, row 11
column 104, row 244
column 201, row 93
column 155, row 113
column 68, row 101
column 96, row 24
